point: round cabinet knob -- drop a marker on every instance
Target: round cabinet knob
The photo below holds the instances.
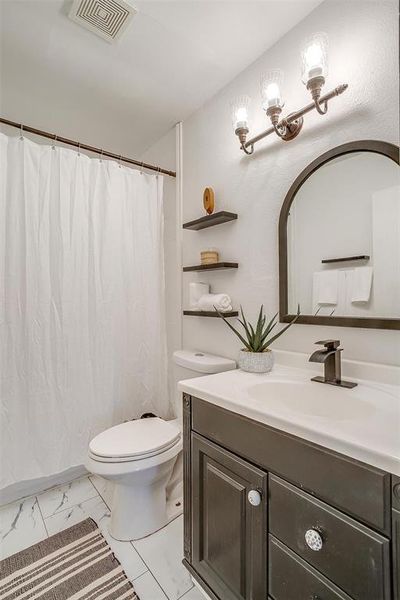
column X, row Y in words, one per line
column 254, row 497
column 313, row 540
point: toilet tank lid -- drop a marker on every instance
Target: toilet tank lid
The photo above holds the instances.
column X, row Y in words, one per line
column 203, row 362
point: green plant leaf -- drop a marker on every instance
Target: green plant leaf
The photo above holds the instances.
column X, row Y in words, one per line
column 269, row 327
column 282, row 331
column 257, row 339
column 245, row 325
column 235, row 331
column 247, row 332
column 259, row 329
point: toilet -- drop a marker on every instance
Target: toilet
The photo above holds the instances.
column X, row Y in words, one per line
column 139, row 457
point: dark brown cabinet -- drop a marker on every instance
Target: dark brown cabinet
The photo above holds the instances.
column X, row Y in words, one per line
column 396, row 536
column 229, row 531
column 396, row 554
column 268, row 515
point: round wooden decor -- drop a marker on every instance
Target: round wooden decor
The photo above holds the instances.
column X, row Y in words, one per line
column 208, row 200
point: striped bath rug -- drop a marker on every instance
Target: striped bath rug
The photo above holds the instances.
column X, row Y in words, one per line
column 75, row 564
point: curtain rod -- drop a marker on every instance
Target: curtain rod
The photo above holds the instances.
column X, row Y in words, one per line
column 58, row 138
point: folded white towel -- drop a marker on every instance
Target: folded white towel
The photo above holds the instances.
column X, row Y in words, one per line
column 325, row 287
column 361, row 284
column 196, row 291
column 221, row 301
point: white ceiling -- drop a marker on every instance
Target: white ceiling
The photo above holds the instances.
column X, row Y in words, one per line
column 172, row 58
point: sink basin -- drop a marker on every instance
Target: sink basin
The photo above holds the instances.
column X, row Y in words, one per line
column 312, row 400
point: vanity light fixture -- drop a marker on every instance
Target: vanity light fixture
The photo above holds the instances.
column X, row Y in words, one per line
column 314, row 71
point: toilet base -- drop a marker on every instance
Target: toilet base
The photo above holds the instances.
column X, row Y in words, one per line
column 145, row 522
column 137, row 511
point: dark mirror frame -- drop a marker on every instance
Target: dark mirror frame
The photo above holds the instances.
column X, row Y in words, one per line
column 385, row 148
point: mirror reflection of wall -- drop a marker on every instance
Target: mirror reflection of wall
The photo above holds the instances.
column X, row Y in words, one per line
column 348, row 207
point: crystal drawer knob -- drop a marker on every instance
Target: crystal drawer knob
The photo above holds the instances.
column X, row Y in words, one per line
column 254, row 497
column 313, row 540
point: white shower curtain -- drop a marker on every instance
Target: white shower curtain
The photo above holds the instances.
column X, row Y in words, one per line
column 82, row 322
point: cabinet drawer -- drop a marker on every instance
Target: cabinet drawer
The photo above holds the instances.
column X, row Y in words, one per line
column 352, row 556
column 291, row 578
column 351, row 486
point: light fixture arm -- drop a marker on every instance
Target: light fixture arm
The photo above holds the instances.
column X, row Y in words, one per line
column 315, row 86
column 248, row 151
column 290, row 126
column 320, row 110
column 280, row 128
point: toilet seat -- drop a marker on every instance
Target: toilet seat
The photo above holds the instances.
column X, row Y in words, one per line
column 134, row 440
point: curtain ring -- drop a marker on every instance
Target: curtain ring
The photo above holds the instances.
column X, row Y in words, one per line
column 141, row 168
column 21, row 136
column 119, row 161
column 54, row 141
column 79, row 148
column 158, row 171
column 101, row 155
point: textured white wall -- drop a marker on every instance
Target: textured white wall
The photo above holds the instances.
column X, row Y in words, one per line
column 363, row 52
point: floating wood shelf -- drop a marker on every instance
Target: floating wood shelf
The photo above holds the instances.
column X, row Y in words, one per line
column 222, row 216
column 210, row 313
column 212, row 267
column 326, row 261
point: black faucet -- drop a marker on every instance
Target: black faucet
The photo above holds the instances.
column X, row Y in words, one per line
column 332, row 365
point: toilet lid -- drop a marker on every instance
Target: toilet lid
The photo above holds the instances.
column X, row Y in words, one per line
column 139, row 438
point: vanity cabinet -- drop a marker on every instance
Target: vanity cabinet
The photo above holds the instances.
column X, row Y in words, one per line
column 396, row 535
column 268, row 515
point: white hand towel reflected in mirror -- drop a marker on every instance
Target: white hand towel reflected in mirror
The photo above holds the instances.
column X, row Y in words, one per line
column 361, row 284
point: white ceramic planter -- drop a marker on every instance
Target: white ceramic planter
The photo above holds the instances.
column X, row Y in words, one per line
column 256, row 362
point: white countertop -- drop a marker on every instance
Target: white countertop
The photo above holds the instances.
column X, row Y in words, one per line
column 367, row 428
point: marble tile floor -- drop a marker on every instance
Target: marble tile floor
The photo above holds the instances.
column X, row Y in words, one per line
column 152, row 564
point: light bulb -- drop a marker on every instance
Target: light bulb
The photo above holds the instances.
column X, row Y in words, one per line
column 240, row 112
column 315, row 57
column 241, row 117
column 271, row 84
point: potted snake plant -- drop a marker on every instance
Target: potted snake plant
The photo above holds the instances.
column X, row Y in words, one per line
column 256, row 356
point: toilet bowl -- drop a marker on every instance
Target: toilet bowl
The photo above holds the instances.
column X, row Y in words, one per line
column 139, row 456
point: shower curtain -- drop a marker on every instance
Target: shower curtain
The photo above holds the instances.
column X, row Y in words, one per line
column 82, row 322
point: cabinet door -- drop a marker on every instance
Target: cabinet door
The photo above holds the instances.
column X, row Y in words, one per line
column 229, row 530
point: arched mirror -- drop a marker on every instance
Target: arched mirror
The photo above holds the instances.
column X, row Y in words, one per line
column 339, row 239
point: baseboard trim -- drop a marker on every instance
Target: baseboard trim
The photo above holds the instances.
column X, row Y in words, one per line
column 22, row 489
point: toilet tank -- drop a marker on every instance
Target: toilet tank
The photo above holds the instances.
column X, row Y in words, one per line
column 193, row 363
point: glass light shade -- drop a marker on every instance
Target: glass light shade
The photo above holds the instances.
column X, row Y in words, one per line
column 315, row 57
column 240, row 112
column 271, row 85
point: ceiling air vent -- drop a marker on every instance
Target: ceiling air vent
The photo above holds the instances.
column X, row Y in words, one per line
column 106, row 18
